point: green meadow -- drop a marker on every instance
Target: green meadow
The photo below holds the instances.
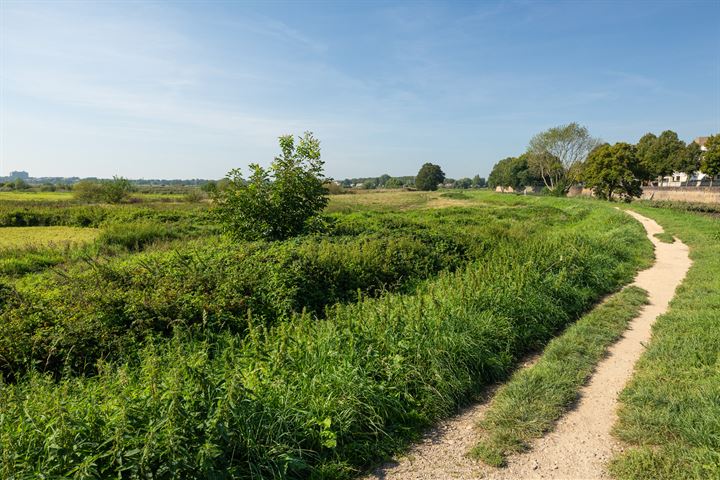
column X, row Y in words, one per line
column 148, row 345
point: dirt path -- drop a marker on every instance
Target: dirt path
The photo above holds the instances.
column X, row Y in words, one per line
column 581, row 443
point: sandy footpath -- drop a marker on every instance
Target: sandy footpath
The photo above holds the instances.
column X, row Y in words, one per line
column 581, row 443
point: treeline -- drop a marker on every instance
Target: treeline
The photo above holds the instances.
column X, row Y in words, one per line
column 389, row 182
column 568, row 155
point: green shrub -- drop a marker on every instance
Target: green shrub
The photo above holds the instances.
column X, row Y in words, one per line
column 135, row 236
column 278, row 203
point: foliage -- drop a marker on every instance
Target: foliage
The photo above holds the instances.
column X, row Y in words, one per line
column 513, row 172
column 429, row 177
column 711, row 158
column 479, row 182
column 690, row 162
column 279, row 202
column 111, row 191
column 463, row 183
column 669, row 411
column 613, row 169
column 306, row 395
column 661, row 156
column 556, row 154
column 532, row 401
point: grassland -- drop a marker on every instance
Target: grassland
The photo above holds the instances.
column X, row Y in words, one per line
column 32, row 196
column 670, row 411
column 163, row 350
column 529, row 404
column 42, row 236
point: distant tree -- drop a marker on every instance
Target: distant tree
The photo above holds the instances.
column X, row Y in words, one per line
column 279, row 202
column 117, row 189
column 210, row 186
column 711, row 158
column 463, row 183
column 690, row 161
column 478, row 182
column 382, row 180
column 513, row 172
column 429, row 177
column 370, row 184
column 394, row 183
column 661, row 156
column 611, row 169
column 109, row 191
column 20, row 184
column 556, row 154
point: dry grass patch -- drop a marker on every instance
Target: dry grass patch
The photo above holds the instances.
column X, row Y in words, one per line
column 11, row 237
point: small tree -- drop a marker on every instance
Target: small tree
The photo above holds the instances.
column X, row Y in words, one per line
column 117, row 189
column 711, row 158
column 613, row 169
column 277, row 203
column 429, row 177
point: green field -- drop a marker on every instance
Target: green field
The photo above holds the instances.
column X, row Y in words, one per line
column 27, row 236
column 32, row 196
column 164, row 350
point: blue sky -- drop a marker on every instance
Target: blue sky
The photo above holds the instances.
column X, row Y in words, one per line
column 191, row 89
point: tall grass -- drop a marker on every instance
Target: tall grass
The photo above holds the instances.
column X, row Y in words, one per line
column 313, row 397
column 532, row 401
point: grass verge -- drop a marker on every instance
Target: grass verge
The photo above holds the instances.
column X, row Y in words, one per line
column 665, row 237
column 530, row 403
column 670, row 410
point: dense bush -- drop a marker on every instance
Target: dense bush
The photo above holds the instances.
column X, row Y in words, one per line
column 308, row 396
column 136, row 235
column 110, row 191
column 280, row 202
column 102, row 307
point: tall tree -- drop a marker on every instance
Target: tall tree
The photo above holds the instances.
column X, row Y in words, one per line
column 429, row 177
column 661, row 156
column 613, row 169
column 690, row 161
column 556, row 154
column 711, row 157
column 478, row 181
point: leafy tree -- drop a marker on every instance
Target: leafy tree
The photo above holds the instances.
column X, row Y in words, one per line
column 711, row 158
column 613, row 169
column 690, row 161
column 429, row 177
column 513, row 172
column 279, row 202
column 661, row 156
column 110, row 191
column 556, row 154
column 394, row 183
column 117, row 189
column 463, row 183
column 478, row 182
